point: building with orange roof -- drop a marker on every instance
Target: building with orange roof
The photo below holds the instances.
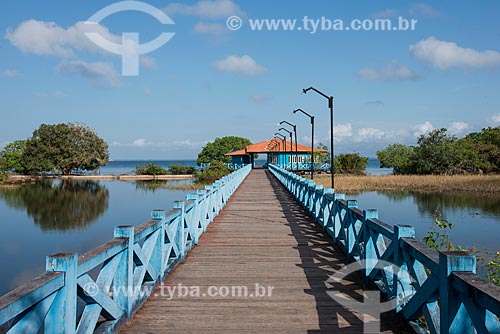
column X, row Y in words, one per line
column 278, row 151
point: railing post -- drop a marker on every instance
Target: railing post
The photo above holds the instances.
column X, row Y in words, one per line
column 453, row 315
column 61, row 317
column 124, row 277
column 401, row 284
column 181, row 231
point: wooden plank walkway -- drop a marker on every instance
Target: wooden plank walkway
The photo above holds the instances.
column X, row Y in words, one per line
column 262, row 237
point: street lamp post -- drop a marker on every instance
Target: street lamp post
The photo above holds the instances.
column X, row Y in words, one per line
column 291, row 145
column 296, row 144
column 312, row 139
column 330, row 105
column 283, row 138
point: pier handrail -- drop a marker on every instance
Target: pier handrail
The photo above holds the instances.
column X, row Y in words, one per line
column 98, row 291
column 441, row 286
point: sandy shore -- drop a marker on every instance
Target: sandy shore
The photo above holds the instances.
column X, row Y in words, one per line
column 28, row 179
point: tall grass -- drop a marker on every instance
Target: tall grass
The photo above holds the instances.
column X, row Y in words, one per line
column 420, row 183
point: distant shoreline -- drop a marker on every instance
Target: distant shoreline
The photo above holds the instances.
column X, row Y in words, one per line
column 22, row 179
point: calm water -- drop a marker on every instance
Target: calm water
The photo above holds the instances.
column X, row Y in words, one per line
column 76, row 216
column 476, row 217
column 70, row 216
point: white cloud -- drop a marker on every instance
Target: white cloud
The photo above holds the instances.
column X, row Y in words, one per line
column 48, row 38
column 369, row 134
column 342, row 131
column 444, row 55
column 421, row 129
column 147, row 62
column 212, row 9
column 100, row 73
column 458, row 127
column 9, row 73
column 387, row 13
column 139, row 142
column 495, row 118
column 260, row 98
column 244, row 65
column 390, row 72
column 422, row 9
column 210, row 28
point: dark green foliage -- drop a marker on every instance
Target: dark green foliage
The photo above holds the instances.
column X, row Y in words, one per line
column 180, row 170
column 215, row 150
column 396, row 156
column 64, row 148
column 215, row 171
column 487, row 145
column 64, row 205
column 3, row 170
column 150, row 169
column 322, row 157
column 12, row 155
column 439, row 153
column 351, row 163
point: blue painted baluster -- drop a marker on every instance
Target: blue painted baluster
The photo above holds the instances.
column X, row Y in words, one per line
column 400, row 286
column 180, row 239
column 453, row 315
column 326, row 208
column 349, row 227
column 124, row 277
column 195, row 218
column 61, row 317
column 202, row 211
column 370, row 255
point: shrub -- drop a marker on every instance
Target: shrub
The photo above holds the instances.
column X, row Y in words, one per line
column 180, row 170
column 351, row 163
column 150, row 169
column 215, row 171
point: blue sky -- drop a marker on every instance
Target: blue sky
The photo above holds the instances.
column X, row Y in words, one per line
column 209, row 81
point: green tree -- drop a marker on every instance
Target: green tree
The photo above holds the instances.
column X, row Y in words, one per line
column 352, row 163
column 487, row 145
column 180, row 170
column 63, row 148
column 12, row 154
column 150, row 169
column 396, row 156
column 3, row 170
column 322, row 157
column 215, row 171
column 215, row 150
column 438, row 153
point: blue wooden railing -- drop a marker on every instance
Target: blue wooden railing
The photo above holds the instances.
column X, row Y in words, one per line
column 443, row 287
column 303, row 166
column 98, row 291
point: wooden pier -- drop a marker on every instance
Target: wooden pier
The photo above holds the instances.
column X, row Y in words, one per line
column 261, row 237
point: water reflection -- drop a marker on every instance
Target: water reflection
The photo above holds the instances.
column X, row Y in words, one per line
column 428, row 203
column 59, row 205
column 152, row 185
